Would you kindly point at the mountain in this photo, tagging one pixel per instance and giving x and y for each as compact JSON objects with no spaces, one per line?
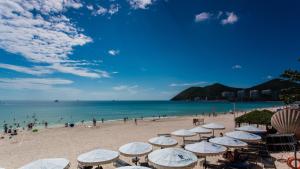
{"x":267,"y":91}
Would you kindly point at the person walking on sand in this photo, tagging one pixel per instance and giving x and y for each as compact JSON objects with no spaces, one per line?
{"x":94,"y":122}
{"x":135,"y":121}
{"x":102,"y":120}
{"x":46,"y":124}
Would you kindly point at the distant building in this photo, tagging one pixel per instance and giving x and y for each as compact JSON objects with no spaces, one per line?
{"x":266,"y":92}
{"x":228,"y":95}
{"x":254,"y":94}
{"x":241,"y":94}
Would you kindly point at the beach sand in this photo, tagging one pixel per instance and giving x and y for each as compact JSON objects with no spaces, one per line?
{"x":70,"y":142}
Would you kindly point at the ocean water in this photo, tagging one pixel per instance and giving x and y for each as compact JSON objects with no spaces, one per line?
{"x":61,"y":112}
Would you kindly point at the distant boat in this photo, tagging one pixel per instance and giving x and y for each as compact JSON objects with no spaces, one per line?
{"x":56,"y":101}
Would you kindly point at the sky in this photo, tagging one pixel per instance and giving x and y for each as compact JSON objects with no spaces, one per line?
{"x":141,"y":49}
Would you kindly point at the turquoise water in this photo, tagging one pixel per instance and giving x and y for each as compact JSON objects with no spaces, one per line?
{"x":74,"y":111}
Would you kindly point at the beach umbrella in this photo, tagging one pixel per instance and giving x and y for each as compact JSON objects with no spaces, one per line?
{"x":97,"y":157}
{"x":133,"y":167}
{"x":201,"y":130}
{"x":135,"y":149}
{"x":205,"y":149}
{"x":163,"y":141}
{"x":250,"y":129}
{"x":183,"y":133}
{"x":244,"y":136}
{"x":51,"y":163}
{"x":228,"y":142}
{"x":172,"y":158}
{"x":214,"y":126}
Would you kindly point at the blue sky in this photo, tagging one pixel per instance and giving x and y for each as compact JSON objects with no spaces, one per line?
{"x":141,"y":49}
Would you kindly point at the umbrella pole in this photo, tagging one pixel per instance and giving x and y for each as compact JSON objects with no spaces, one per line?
{"x":205,"y":162}
{"x":213,"y":133}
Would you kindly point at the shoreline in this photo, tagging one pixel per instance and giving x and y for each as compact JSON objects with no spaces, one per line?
{"x":89,"y":122}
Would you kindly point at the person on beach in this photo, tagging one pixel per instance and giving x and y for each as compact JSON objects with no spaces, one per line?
{"x":102,"y":119}
{"x":5,"y":128}
{"x":46,"y":124}
{"x":94,"y":122}
{"x":135,"y":121}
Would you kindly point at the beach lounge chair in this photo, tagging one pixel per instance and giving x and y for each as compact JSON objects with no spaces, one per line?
{"x":268,"y":162}
{"x":120,"y":163}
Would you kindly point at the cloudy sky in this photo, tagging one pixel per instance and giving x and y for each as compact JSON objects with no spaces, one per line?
{"x":141,"y":49}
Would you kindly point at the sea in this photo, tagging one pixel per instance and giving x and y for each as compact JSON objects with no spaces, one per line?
{"x":60,"y":112}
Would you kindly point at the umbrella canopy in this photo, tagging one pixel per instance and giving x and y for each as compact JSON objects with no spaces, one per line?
{"x":172,"y":158}
{"x":250,"y":129}
{"x":214,"y":126}
{"x":205,"y":148}
{"x":244,"y":136}
{"x":201,"y":130}
{"x":97,"y":157}
{"x":163,"y":141}
{"x":51,"y":163}
{"x":135,"y":149}
{"x":228,"y":142}
{"x":183,"y":133}
{"x":133,"y":167}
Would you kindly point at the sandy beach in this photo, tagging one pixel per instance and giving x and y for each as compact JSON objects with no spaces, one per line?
{"x":70,"y":142}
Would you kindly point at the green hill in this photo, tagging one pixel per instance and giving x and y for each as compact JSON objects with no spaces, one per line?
{"x":266,"y":91}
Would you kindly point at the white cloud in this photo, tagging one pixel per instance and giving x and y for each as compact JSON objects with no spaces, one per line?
{"x":28,"y":70}
{"x":230,"y":19}
{"x":90,"y":7}
{"x":126,"y":88}
{"x":269,"y":77}
{"x":32,"y":83}
{"x":114,"y":8}
{"x":140,"y":4}
{"x":202,"y":16}
{"x":236,"y":67}
{"x":101,"y":11}
{"x":187,"y":84}
{"x":79,"y":71}
{"x":114,"y":52}
{"x":111,"y":10}
{"x":39,"y":31}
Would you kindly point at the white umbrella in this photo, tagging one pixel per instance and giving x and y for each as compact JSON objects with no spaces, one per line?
{"x":163,"y":141}
{"x":250,"y":129}
{"x":205,"y":149}
{"x":228,"y":142}
{"x":183,"y":133}
{"x":97,"y":157}
{"x":133,"y":167}
{"x":244,"y":136}
{"x":135,"y":149}
{"x":214,"y":126}
{"x":172,"y":158}
{"x":51,"y":163}
{"x":201,"y":130}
